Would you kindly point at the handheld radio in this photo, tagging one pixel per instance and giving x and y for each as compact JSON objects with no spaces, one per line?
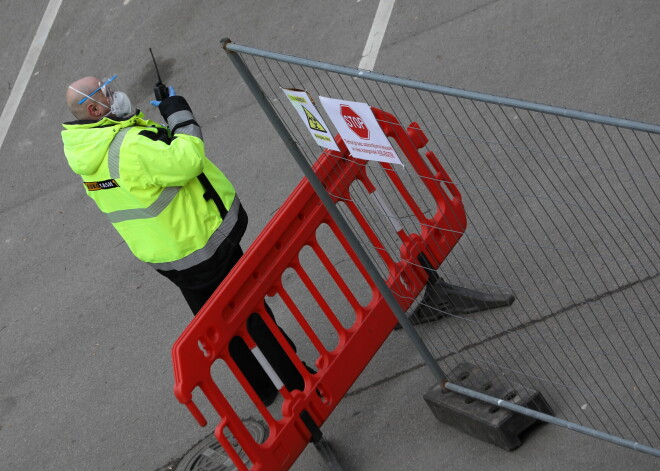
{"x":160,"y":89}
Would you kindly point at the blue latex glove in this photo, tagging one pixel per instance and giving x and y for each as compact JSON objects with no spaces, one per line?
{"x":170,"y":91}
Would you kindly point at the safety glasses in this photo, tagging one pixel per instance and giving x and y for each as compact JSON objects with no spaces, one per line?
{"x":105,"y":87}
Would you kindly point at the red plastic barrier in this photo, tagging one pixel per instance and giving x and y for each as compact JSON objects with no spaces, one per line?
{"x":259,"y":274}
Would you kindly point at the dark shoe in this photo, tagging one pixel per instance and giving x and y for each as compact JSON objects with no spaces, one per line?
{"x":270,"y":398}
{"x":310,"y":370}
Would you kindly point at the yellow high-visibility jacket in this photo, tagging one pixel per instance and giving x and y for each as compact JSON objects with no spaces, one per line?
{"x":148,"y":180}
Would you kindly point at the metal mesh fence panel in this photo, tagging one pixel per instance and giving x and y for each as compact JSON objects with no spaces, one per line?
{"x":562,"y":214}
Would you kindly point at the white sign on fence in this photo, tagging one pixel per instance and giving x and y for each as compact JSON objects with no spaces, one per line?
{"x":359,"y":129}
{"x":311,"y":117}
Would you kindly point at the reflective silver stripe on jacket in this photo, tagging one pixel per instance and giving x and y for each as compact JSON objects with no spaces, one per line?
{"x":217,"y":238}
{"x":113,"y":152}
{"x":181,"y":117}
{"x":164,"y":199}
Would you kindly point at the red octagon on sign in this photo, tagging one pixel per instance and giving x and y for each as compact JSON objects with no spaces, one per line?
{"x":354,"y":121}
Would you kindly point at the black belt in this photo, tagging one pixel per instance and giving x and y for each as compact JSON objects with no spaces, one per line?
{"x":211,"y":194}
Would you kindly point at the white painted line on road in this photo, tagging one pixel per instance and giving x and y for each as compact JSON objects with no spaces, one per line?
{"x":376,"y":34}
{"x":28,"y":66}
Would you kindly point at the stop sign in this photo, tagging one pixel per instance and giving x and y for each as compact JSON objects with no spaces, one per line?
{"x":354,"y":122}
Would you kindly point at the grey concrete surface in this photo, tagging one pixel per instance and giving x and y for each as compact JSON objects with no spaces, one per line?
{"x":86,"y":330}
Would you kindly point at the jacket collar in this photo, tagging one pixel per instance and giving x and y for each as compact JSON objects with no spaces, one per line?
{"x":103,"y":122}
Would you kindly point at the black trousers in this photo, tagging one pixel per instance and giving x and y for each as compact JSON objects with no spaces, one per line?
{"x":199,"y":282}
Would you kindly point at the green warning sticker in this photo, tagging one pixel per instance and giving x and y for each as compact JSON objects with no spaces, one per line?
{"x":311,"y":117}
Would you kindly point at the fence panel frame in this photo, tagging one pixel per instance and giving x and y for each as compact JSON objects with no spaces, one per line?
{"x":234,"y":51}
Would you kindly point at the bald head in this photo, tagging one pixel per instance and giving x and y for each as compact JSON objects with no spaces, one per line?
{"x":90,"y":109}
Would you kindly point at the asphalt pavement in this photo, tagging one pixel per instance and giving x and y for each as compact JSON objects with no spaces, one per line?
{"x":86,"y":330}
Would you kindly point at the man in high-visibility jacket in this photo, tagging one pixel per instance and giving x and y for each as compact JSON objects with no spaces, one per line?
{"x":174,"y":208}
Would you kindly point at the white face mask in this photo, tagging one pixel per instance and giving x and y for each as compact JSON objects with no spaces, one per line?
{"x":120,"y":106}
